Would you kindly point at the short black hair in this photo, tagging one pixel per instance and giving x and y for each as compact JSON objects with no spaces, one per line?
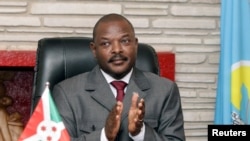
{"x":108,"y":18}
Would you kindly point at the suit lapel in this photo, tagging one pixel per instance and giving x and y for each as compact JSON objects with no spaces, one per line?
{"x":101,"y":92}
{"x":138,"y":83}
{"x":99,"y":88}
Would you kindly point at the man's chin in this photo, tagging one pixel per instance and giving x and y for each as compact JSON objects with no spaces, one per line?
{"x":118,"y":74}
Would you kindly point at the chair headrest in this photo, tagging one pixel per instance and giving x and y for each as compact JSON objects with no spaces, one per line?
{"x":63,"y":57}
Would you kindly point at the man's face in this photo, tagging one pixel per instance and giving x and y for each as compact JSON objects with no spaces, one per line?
{"x":115,"y":47}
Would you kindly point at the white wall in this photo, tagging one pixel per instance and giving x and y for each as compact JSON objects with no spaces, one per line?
{"x":189,"y":28}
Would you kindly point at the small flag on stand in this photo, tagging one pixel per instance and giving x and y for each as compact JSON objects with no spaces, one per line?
{"x":45,"y":124}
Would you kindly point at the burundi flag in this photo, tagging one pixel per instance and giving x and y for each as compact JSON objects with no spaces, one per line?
{"x":233,"y":89}
{"x":45,"y":124}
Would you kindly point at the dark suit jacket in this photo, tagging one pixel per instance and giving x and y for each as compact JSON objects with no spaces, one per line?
{"x":84,"y":101}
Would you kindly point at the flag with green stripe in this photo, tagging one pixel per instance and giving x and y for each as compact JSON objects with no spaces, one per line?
{"x":45,"y":124}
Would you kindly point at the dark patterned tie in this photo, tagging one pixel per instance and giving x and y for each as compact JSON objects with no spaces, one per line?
{"x":119,"y":85}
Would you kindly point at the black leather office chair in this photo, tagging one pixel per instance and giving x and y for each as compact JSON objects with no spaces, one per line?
{"x":61,"y":58}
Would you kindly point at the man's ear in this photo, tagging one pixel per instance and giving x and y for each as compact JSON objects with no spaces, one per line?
{"x":93,"y":48}
{"x":136,"y":41}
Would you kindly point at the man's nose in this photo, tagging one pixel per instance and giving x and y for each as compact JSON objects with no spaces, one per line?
{"x":116,"y":47}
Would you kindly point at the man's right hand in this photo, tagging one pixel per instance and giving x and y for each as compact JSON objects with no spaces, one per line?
{"x":113,"y":121}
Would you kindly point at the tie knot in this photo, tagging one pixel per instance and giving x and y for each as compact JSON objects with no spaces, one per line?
{"x":119,"y":85}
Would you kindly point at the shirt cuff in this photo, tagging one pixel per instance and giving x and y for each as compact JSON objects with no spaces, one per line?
{"x":103,"y":136}
{"x":140,"y":136}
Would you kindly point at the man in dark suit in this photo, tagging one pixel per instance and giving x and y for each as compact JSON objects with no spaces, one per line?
{"x":151,"y":108}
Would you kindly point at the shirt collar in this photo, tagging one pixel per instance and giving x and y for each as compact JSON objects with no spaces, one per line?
{"x":110,"y":79}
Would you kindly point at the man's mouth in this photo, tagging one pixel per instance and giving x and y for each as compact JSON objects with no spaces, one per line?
{"x":118,"y":59}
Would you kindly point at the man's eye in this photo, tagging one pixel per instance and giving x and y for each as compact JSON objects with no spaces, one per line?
{"x":105,"y":44}
{"x":125,"y":41}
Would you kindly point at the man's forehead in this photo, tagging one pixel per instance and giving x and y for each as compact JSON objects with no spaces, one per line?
{"x":114,"y":32}
{"x":113,"y":23}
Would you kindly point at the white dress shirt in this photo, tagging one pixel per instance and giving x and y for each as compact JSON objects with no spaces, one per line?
{"x":109,"y":79}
